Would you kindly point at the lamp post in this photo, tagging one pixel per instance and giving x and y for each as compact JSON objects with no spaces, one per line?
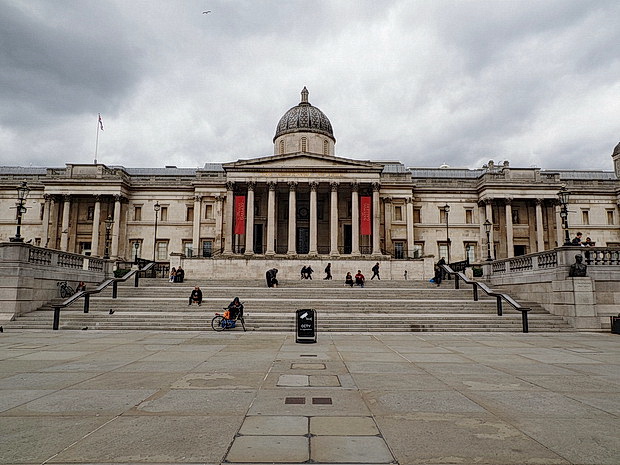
{"x":563,"y":197}
{"x":487,"y":229}
{"x":108,"y":227}
{"x":156,"y":208}
{"x":136,"y":245}
{"x":22,"y":193}
{"x":446,"y":209}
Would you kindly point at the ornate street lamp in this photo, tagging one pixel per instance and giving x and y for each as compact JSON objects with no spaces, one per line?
{"x":446,"y":209}
{"x":108,"y":227}
{"x":22,"y":193}
{"x":563,"y":197}
{"x":136,"y":245}
{"x":156,"y":208}
{"x":487,"y":229}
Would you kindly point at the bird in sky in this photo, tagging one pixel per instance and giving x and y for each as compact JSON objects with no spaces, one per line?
{"x":206,"y":12}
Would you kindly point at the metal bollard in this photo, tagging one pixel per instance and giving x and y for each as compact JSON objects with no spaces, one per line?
{"x":114,"y":289}
{"x":56,"y":318}
{"x":475,"y":292}
{"x":499,"y":306}
{"x":86,"y":303}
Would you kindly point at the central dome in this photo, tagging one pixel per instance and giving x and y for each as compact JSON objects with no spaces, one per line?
{"x":304,"y":118}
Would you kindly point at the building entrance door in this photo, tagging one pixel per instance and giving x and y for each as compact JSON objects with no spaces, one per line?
{"x":348,"y":239}
{"x":258,"y":239}
{"x":303,"y":240}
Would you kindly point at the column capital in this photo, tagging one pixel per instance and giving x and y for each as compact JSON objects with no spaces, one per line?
{"x":119,"y":198}
{"x":197,"y":198}
{"x":508,"y":200}
{"x":98,"y":197}
{"x":218,"y":197}
{"x":355,"y":186}
{"x":251,"y":185}
{"x":387,"y":199}
{"x":66,"y":197}
{"x":292,"y":185}
{"x":334,"y":186}
{"x":230,"y":185}
{"x":540,"y":201}
{"x":376,"y":187}
{"x":272,"y":185}
{"x":408,"y":199}
{"x":48,"y":197}
{"x":313,"y":185}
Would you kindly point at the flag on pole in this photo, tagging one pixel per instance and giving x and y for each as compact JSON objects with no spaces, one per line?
{"x":100,"y":122}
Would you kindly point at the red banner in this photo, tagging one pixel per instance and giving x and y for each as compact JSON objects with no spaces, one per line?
{"x":365,"y":215}
{"x":239,"y":214}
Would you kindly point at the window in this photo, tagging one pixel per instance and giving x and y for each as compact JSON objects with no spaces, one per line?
{"x":137,"y":213}
{"x":162,"y":249}
{"x":90,"y":213}
{"x":418,"y":249}
{"x":515,"y":216}
{"x":443,"y":250}
{"x":417,"y":215}
{"x":42,"y":211}
{"x":325,"y":147}
{"x":399,"y":250}
{"x":281,"y":147}
{"x":398,"y":213}
{"x":585,"y":217}
{"x":189,"y":214}
{"x":207,"y":248}
{"x":470,"y":251}
{"x":208,"y":212}
{"x":469,"y":216}
{"x":85,"y":248}
{"x":443,"y":215}
{"x":610,"y":217}
{"x":163,"y":214}
{"x":188,"y":248}
{"x":304,"y":144}
{"x":136,"y":252}
{"x":37,"y":241}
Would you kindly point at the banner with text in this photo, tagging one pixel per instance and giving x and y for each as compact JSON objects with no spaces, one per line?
{"x":365,"y":215}
{"x":240,"y":214}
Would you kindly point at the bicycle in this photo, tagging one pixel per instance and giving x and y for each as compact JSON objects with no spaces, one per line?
{"x":65,"y":289}
{"x":220,"y":322}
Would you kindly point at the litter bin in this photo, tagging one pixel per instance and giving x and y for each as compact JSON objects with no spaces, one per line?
{"x":615,"y":324}
{"x":305,"y":326}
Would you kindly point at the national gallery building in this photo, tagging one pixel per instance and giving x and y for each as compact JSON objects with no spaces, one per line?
{"x":305,"y":202}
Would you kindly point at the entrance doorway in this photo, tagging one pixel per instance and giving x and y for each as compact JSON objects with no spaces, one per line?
{"x":347,"y":238}
{"x":303,"y":240}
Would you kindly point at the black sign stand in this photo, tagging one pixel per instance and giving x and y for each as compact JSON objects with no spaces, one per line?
{"x":305,"y":326}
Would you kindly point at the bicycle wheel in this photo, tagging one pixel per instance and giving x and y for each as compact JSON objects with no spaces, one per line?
{"x":63,"y":292}
{"x":216,"y":323}
{"x":69,"y":291}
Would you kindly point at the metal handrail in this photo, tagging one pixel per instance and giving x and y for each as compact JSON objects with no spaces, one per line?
{"x":97,"y":290}
{"x":488,"y":291}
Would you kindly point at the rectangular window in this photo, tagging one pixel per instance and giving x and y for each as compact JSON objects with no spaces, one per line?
{"x":42,"y":211}
{"x":398,"y":213}
{"x":443,"y":250}
{"x":417,"y":215}
{"x":163,"y":214}
{"x":469,"y":216}
{"x":610,"y":217}
{"x":162,"y":250}
{"x":418,"y":249}
{"x":208,"y":212}
{"x":188,"y":248}
{"x":470,"y":251}
{"x":442,"y":215}
{"x":37,"y":241}
{"x":189,"y":214}
{"x":90,"y":214}
{"x":207,"y":248}
{"x":399,"y":250}
{"x":137,"y":213}
{"x":136,"y":248}
{"x":585,"y":217}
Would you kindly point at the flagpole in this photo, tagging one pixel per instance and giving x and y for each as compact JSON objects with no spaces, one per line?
{"x":97,"y":139}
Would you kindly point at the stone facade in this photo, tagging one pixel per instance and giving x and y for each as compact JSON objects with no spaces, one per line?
{"x":308,"y":204}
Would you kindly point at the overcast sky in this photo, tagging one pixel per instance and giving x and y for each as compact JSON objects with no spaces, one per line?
{"x":423,"y":82}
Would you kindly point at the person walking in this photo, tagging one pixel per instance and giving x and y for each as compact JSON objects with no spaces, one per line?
{"x":328,"y":271}
{"x":375,"y":272}
{"x":439,"y":271}
{"x":196,"y":296}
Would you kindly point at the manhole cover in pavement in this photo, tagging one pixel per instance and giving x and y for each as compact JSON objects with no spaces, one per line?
{"x":322,"y":400}
{"x":295,"y":400}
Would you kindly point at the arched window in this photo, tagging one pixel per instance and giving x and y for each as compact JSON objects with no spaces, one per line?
{"x":325,"y":147}
{"x":281,"y":147}
{"x":304,"y":144}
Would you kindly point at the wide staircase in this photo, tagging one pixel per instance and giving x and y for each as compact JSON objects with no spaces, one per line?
{"x":381,"y":306}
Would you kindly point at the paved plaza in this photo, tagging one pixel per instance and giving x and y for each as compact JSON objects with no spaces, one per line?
{"x":103,"y":397}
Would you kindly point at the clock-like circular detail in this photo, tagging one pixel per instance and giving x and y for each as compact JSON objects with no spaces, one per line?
{"x":302,"y":213}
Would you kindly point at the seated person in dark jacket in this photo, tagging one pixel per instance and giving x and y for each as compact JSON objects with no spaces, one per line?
{"x":236,"y":309}
{"x":348,"y":279}
{"x":359,"y":278}
{"x":180,"y":275}
{"x":195,"y":296}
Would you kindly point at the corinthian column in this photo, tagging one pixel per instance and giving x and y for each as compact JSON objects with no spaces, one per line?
{"x":540,"y":237}
{"x":355,"y":219}
{"x":249,"y":224}
{"x":116,"y":227}
{"x":333,"y":219}
{"x":46,"y":219}
{"x":271,"y":219}
{"x":94,"y":239}
{"x":410,"y":235}
{"x":64,"y":229}
{"x":313,"y":219}
{"x":292,"y":218}
{"x":510,"y":249}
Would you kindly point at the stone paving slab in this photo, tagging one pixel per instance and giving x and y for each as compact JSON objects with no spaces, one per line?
{"x":156,"y":397}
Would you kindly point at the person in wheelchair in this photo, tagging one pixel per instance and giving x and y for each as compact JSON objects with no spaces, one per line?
{"x":235,"y":309}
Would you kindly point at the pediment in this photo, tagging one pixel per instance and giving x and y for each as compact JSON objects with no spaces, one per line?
{"x":301,"y":161}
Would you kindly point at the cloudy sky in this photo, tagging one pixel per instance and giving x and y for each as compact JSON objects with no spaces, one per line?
{"x":424,"y":82}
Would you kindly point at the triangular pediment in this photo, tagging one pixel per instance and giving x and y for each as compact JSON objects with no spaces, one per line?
{"x":301,"y":161}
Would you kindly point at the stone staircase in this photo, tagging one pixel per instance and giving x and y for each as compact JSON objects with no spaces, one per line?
{"x":381,"y":306}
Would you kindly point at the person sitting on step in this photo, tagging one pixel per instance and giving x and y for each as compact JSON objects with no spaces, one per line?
{"x":195,"y":296}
